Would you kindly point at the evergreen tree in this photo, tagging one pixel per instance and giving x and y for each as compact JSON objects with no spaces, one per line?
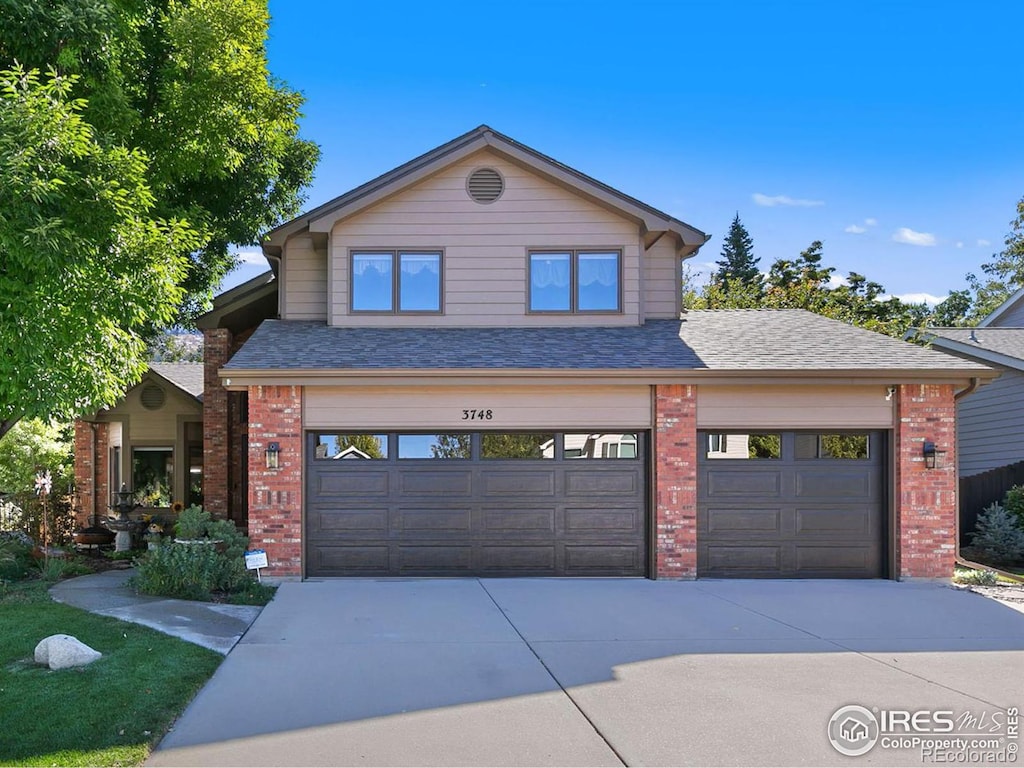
{"x":738,"y":264}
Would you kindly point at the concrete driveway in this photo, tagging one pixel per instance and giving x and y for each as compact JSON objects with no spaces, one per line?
{"x":593,"y":672}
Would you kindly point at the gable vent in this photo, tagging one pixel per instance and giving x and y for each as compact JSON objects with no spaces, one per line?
{"x":485,"y":185}
{"x":152,"y":397}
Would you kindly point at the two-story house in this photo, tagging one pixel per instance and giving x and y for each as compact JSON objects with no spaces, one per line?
{"x":477,"y":364}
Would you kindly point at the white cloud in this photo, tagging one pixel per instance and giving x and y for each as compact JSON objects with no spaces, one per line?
{"x":770,"y":201}
{"x":871,"y":222}
{"x":854,"y":229}
{"x":834,"y":281}
{"x":959,"y":244}
{"x":918,"y":298}
{"x":252,"y":257}
{"x":983,"y":243}
{"x":910,"y":237}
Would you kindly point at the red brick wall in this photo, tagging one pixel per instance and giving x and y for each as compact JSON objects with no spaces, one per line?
{"x":92,"y":473}
{"x":926,"y":499}
{"x":216,"y":351}
{"x":675,"y":462}
{"x":275,"y":495}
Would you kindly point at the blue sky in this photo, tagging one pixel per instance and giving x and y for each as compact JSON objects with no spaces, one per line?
{"x":892,"y":131}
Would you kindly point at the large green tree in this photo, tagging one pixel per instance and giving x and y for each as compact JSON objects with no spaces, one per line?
{"x":85,"y":267}
{"x":157,"y":139}
{"x":186,"y":82}
{"x":738,"y":266}
{"x":806,"y":283}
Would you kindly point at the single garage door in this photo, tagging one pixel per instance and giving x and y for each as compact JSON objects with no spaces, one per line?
{"x":479,"y":503}
{"x":791,"y":505}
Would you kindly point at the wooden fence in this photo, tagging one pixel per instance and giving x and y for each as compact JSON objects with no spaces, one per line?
{"x":978,"y":491}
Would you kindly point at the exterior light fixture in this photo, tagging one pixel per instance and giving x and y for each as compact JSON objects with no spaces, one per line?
{"x":273,"y":454}
{"x":933,"y":457}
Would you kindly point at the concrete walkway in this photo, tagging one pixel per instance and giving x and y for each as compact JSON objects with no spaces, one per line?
{"x":211,"y":625}
{"x":591,"y":672}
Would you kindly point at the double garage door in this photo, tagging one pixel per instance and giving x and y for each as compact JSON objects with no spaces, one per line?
{"x":782,"y":504}
{"x":480,"y":503}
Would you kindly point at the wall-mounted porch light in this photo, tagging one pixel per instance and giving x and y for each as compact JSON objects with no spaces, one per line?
{"x":933,"y":457}
{"x":273,"y":454}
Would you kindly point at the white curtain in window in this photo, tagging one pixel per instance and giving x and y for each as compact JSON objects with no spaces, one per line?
{"x":379,"y":262}
{"x":599,"y":268}
{"x":414,"y":263}
{"x":547,"y":272}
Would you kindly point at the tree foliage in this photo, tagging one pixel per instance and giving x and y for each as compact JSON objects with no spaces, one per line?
{"x":186,"y":82}
{"x":806,"y":282}
{"x":155,"y":139}
{"x":738,"y":265}
{"x":85,"y":266}
{"x":33,"y":445}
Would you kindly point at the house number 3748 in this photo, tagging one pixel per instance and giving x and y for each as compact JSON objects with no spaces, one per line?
{"x":472,"y":414}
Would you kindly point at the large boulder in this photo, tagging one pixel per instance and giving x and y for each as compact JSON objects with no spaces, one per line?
{"x":63,"y":651}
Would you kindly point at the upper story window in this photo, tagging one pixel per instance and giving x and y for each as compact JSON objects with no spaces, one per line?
{"x":396,"y":281}
{"x":575,"y":281}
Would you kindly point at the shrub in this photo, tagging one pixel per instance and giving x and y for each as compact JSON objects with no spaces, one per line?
{"x":15,"y":555}
{"x":976,"y":578}
{"x":195,"y":569}
{"x":998,"y":540}
{"x":1014,"y":503}
{"x":193,"y":524}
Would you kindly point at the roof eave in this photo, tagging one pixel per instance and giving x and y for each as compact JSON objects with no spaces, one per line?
{"x":967,"y":350}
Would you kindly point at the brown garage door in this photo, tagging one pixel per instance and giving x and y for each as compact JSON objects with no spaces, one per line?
{"x":791,"y":505}
{"x":483,"y":503}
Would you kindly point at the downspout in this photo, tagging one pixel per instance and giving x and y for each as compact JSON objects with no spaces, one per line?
{"x":958,"y":558}
{"x":92,"y":481}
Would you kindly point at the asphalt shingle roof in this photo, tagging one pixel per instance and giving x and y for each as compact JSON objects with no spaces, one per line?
{"x":717,"y":340}
{"x":185,"y":376}
{"x":1002,"y":341}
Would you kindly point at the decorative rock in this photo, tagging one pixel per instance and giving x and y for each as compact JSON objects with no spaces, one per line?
{"x":64,"y":651}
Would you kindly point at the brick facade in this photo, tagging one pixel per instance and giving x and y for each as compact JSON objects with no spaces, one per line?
{"x":216,"y":430}
{"x":926,"y":499}
{"x":92,"y":473}
{"x":275,"y":495}
{"x":675,"y":458}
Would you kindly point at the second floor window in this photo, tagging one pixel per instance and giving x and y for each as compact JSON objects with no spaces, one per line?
{"x":396,"y":281}
{"x":575,"y":281}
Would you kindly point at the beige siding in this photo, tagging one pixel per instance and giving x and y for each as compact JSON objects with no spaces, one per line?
{"x":793,"y":407}
{"x":528,"y":407}
{"x":304,"y":283}
{"x":990,"y":425}
{"x":661,"y":280}
{"x":485,"y":246}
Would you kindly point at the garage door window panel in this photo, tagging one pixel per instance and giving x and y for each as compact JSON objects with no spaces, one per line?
{"x":439,"y":446}
{"x":591,"y":445}
{"x":517,"y":445}
{"x":333,"y":446}
{"x":832,"y":446}
{"x":743,"y":445}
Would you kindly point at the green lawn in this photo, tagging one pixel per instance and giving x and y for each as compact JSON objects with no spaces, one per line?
{"x":111,"y":712}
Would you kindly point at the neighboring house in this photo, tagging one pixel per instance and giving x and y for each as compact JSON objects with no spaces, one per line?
{"x":501,"y":336}
{"x":150,"y":441}
{"x":991,"y":420}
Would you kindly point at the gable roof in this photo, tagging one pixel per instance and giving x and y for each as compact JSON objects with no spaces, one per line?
{"x":322,"y":218}
{"x":711,"y":342}
{"x":999,"y":346}
{"x":1015,"y":299}
{"x":188,"y":377}
{"x":243,"y":306}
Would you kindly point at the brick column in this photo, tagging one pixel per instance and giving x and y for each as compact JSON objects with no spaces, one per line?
{"x":926,"y":499}
{"x":216,"y":437}
{"x":275,"y":495}
{"x":92,"y":474}
{"x":675,"y":463}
